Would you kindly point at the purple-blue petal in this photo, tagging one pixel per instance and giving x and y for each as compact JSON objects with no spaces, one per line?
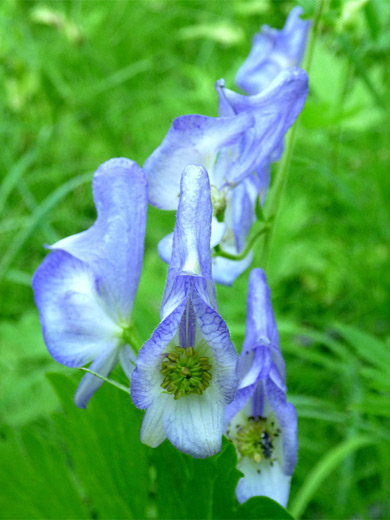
{"x":287,"y":417}
{"x":216,"y":334}
{"x":102,"y":365}
{"x":270,"y":481}
{"x":191,"y":239}
{"x":244,"y":216}
{"x":192,"y":139}
{"x":113,"y":247}
{"x":275,"y":109}
{"x":194,"y":424}
{"x":226,"y":271}
{"x":75,"y":322}
{"x":272,"y":51}
{"x":260,"y":322}
{"x":144,"y":386}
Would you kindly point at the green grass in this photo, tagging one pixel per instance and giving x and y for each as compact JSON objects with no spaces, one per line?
{"x":86,"y":81}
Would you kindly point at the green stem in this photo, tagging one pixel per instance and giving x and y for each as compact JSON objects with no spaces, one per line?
{"x":130,"y":337}
{"x":107,"y":380}
{"x":245,"y":251}
{"x":274,"y":201}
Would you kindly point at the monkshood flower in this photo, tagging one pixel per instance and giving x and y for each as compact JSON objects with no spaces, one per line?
{"x":261,"y":423}
{"x":85,"y":288}
{"x":273,"y":51}
{"x":187,"y":372}
{"x":231,"y":148}
{"x":275,"y":110}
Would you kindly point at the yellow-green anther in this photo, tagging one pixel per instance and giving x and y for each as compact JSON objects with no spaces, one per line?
{"x":185,"y":372}
{"x":255,"y":439}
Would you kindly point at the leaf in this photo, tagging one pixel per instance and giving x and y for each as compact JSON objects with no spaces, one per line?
{"x":368,"y":347}
{"x":35,"y":479}
{"x":205,"y":488}
{"x":25,"y":394}
{"x":103,"y":444}
{"x":323,"y":469}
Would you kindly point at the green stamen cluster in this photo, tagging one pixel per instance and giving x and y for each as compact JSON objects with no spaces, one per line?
{"x":255,"y":440}
{"x":185,"y":372}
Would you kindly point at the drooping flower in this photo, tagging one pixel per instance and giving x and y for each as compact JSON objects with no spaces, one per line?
{"x":85,"y":288}
{"x":231,"y":147}
{"x":187,"y":372}
{"x":261,"y":423}
{"x":275,"y":111}
{"x":273,"y":51}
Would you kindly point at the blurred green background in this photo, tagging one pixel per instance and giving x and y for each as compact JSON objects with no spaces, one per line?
{"x":84,"y":81}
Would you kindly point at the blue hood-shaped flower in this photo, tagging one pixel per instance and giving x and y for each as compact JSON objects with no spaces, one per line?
{"x":232,"y":148}
{"x":273,"y":51}
{"x":85,"y":288}
{"x":261,"y":423}
{"x":187,"y":372}
{"x":275,"y":111}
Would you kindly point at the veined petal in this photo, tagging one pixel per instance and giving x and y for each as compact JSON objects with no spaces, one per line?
{"x":288,"y":421}
{"x":262,"y":480}
{"x":295,"y":33}
{"x":216,"y":334}
{"x":259,"y":368}
{"x":254,"y":365}
{"x":146,"y":378}
{"x":226,"y":271}
{"x":191,"y":241}
{"x":102,"y":365}
{"x":272,"y":51}
{"x":239,"y":402}
{"x":194,"y":424}
{"x":275,"y":110}
{"x":260,"y":322}
{"x":244,"y":202}
{"x":164,"y":247}
{"x":192,"y":139}
{"x":113,"y":247}
{"x":152,"y":430}
{"x":75,"y":323}
{"x":258,"y":70}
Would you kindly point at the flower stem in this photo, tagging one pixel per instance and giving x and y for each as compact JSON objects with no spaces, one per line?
{"x":107,"y":380}
{"x":240,"y":256}
{"x":274,"y":201}
{"x":131,"y":337}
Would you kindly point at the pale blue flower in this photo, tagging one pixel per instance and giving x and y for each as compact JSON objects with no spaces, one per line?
{"x":85,"y":288}
{"x":233,"y":148}
{"x":261,"y":423}
{"x":187,"y":372}
{"x":273,"y":51}
{"x":275,"y":111}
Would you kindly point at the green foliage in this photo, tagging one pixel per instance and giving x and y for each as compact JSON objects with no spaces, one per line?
{"x":205,"y":488}
{"x":90,"y":464}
